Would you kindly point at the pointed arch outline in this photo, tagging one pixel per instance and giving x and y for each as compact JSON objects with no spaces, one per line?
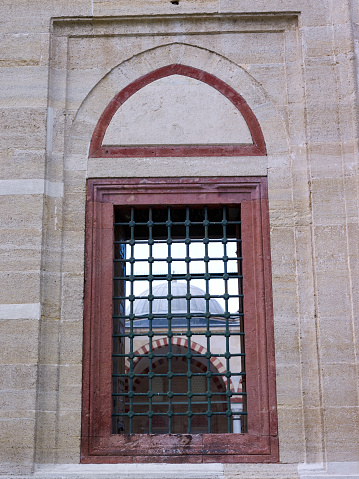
{"x":178,"y":341}
{"x":257,"y":148}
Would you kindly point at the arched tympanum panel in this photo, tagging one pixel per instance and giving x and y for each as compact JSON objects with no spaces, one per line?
{"x":256,"y":148}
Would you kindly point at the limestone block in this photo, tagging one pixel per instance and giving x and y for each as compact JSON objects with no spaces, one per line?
{"x":57,"y":87}
{"x":17,"y":389}
{"x":78,"y":141}
{"x":330,"y":252}
{"x":291,"y":435}
{"x":53,"y":223}
{"x":346,"y":118}
{"x":318,"y":41}
{"x":271,"y":77}
{"x":19,"y":163}
{"x":147,"y":167}
{"x":289,"y":386}
{"x":341,"y":432}
{"x":54,"y":172}
{"x":25,"y":15}
{"x":346,"y":80}
{"x":325,"y":159}
{"x":24,"y":86}
{"x":70,"y":385}
{"x":322,"y":126}
{"x":23,"y":128}
{"x":348,"y":155}
{"x":340,"y":383}
{"x":74,"y":218}
{"x":127,"y":7}
{"x":294,"y":84}
{"x":18,"y":341}
{"x":20,"y":249}
{"x":280,"y":215}
{"x":73,"y":243}
{"x":71,"y":342}
{"x":352,"y":231}
{"x":77,"y":163}
{"x":260,"y":471}
{"x":333,"y":294}
{"x":342,"y":39}
{"x":17,"y":376}
{"x":56,"y":131}
{"x":328,"y":204}
{"x":15,"y":285}
{"x":261,"y":49}
{"x":16,"y":444}
{"x":284,"y":294}
{"x":313,"y":434}
{"x":311,"y":392}
{"x":341,"y":13}
{"x":48,"y":384}
{"x":280,"y":196}
{"x":103,"y":53}
{"x":287,"y":350}
{"x":72,"y":297}
{"x":59,"y":53}
{"x":15,"y":403}
{"x":18,"y":50}
{"x":283,"y":255}
{"x":279,"y":161}
{"x":311,"y":16}
{"x":46,"y":437}
{"x":81,"y":82}
{"x":75,"y":184}
{"x":51,"y":284}
{"x":69,"y":434}
{"x":273,"y":127}
{"x":49,"y":341}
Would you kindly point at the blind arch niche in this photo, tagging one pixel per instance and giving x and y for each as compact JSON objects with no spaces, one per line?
{"x":188,"y":130}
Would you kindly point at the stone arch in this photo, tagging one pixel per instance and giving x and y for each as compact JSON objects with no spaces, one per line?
{"x":236,"y":77}
{"x":257,"y":148}
{"x":178,"y":341}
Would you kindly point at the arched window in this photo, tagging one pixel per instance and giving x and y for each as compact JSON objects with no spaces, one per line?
{"x":178,"y":332}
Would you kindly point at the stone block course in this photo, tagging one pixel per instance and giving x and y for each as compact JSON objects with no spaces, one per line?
{"x":337,"y":418}
{"x":22,"y":128}
{"x":18,"y":341}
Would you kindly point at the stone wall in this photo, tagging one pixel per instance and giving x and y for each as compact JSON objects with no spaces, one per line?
{"x":295,"y":64}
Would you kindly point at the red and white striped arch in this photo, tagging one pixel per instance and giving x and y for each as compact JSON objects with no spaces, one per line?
{"x":178,"y":341}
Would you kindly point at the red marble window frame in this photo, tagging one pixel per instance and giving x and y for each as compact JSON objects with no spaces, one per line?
{"x":260,"y":443}
{"x":257,"y":148}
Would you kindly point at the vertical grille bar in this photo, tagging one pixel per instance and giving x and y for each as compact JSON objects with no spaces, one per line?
{"x":169,"y":317}
{"x":131,"y":335}
{"x":150,"y":304}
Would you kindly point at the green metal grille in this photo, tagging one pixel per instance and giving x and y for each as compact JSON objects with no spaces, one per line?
{"x":178,"y":335}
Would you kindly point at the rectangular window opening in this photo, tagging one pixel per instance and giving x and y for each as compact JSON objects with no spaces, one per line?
{"x":178,"y":357}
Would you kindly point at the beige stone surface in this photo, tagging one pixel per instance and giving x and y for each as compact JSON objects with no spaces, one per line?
{"x":190,"y":120}
{"x":272,"y":471}
{"x":295,"y":64}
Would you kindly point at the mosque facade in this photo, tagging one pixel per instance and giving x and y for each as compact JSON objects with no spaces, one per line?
{"x":179,"y":239}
